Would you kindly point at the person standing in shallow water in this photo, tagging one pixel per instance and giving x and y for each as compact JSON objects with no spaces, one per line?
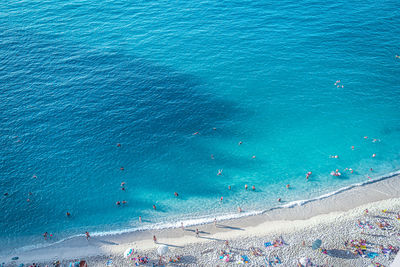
{"x":197,"y":232}
{"x":155,"y":239}
{"x":87,"y":235}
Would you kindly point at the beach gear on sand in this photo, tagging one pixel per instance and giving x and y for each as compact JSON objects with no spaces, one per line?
{"x":268,"y":263}
{"x":162,"y":250}
{"x":128,"y":253}
{"x":245,"y":259}
{"x":109,"y":262}
{"x":372,"y":255}
{"x":316,"y":244}
{"x":268,"y":244}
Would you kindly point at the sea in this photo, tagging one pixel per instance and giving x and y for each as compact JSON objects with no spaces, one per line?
{"x":188,"y":97}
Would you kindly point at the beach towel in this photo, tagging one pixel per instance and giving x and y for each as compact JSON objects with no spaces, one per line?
{"x":372,"y":255}
{"x":268,"y":244}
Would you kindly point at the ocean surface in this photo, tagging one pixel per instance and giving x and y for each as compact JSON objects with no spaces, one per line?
{"x":178,"y":84}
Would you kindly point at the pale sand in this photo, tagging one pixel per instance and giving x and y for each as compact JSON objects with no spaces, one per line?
{"x":332,"y":219}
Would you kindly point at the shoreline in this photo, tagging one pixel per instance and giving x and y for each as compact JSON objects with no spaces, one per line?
{"x":337,"y":202}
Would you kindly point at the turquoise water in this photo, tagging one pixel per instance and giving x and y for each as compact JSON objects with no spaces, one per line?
{"x":77,"y":78}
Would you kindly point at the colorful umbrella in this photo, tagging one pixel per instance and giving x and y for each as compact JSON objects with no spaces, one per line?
{"x":129,"y":252}
{"x":317,"y":243}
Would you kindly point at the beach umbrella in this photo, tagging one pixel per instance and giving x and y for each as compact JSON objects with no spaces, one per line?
{"x":316,"y":244}
{"x":162,"y":250}
{"x":129,"y":252}
{"x":304,"y":261}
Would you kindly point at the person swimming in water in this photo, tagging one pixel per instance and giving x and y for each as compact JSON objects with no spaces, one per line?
{"x":374,"y":155}
{"x":219,"y":172}
{"x":176,"y":194}
{"x":118,"y":203}
{"x":68,"y":214}
{"x":240,"y":142}
{"x":154,"y":207}
{"x":229,"y":187}
{"x":253,"y":188}
{"x":246,"y":186}
{"x":118,"y":145}
{"x":288,"y":186}
{"x":122,"y":168}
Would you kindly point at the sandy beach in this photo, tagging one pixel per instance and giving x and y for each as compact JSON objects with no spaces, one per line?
{"x":333,"y":219}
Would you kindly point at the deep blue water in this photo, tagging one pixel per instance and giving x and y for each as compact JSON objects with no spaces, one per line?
{"x":79,"y":77}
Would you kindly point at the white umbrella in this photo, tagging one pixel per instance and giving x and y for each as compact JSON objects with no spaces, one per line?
{"x":162,"y":250}
{"x":304,"y":261}
{"x":129,"y":252}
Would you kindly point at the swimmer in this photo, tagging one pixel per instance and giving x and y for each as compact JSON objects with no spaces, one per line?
{"x":279,"y":199}
{"x":140,"y":219}
{"x":352,"y":147}
{"x":176,"y":194}
{"x":5,"y":194}
{"x":240,"y":142}
{"x":87,"y":235}
{"x":365,"y":137}
{"x":122,"y":184}
{"x":351,"y":170}
{"x":118,"y":203}
{"x":214,"y":128}
{"x":253,"y":157}
{"x":288,"y":186}
{"x":239,"y":209}
{"x":118,"y":145}
{"x":373,"y":155}
{"x":154,"y":207}
{"x":212,"y":156}
{"x":28,"y":200}
{"x":334,"y":157}
{"x":124,"y":202}
{"x":219,"y":172}
{"x":196,"y":133}
{"x":68,"y":214}
{"x":253,"y":188}
{"x":45,"y":235}
{"x":229,"y":187}
{"x":34,"y":176}
{"x":123,"y":188}
{"x":371,"y":169}
{"x":122,"y":168}
{"x":245,"y":186}
{"x":222,"y":198}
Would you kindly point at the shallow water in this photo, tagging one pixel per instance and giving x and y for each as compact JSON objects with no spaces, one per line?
{"x":79,"y":77}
